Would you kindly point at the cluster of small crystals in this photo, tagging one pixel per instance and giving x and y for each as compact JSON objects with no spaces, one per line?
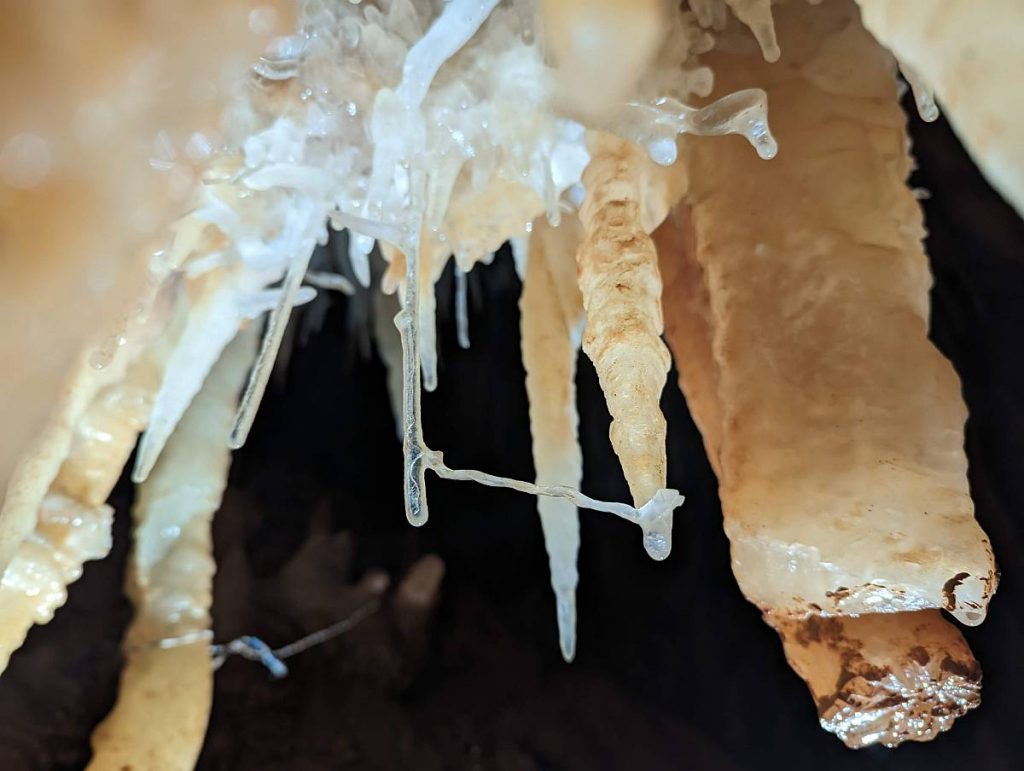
{"x":69,"y":533}
{"x":916,"y":708}
{"x":361,"y":123}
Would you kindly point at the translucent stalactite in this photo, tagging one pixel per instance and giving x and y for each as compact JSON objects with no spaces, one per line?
{"x":550,"y":312}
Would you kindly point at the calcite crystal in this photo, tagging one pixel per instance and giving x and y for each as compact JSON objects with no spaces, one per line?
{"x":886,"y":677}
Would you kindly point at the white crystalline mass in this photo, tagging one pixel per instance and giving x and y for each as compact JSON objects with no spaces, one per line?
{"x":432,"y":126}
{"x":412,"y":98}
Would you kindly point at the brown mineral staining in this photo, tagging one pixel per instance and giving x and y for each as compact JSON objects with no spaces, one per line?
{"x":840,"y":594}
{"x":918,"y":556}
{"x":919,"y":654}
{"x":815,"y":629}
{"x":969,"y":670}
{"x":873,"y":673}
{"x":949,"y":589}
{"x":878,"y":678}
{"x":853,"y":666}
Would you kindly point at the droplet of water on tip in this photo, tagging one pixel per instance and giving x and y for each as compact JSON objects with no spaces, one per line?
{"x":924,"y":97}
{"x":764,"y":143}
{"x":658,"y":545}
{"x":663,"y":151}
{"x":416,"y":516}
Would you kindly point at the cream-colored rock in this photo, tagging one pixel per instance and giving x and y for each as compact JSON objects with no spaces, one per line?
{"x":58,"y":511}
{"x":843,"y":475}
{"x":880,"y":678}
{"x":600,"y":47}
{"x":160,"y":717}
{"x":970,"y":54}
{"x":688,"y":330}
{"x":621,"y":288}
{"x":66,"y":535}
{"x":39,"y":465}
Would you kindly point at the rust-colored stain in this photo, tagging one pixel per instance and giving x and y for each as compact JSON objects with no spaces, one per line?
{"x":919,"y":654}
{"x":949,"y":589}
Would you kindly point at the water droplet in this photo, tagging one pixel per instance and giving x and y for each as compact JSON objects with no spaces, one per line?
{"x":663,"y":151}
{"x":100,"y":358}
{"x":924,"y":97}
{"x":658,"y":545}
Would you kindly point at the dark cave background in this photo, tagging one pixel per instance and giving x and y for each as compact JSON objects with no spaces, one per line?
{"x":674,"y":669}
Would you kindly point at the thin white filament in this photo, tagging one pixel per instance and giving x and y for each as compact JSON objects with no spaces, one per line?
{"x":654,"y":517}
{"x":461,"y":308}
{"x":269,"y":347}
